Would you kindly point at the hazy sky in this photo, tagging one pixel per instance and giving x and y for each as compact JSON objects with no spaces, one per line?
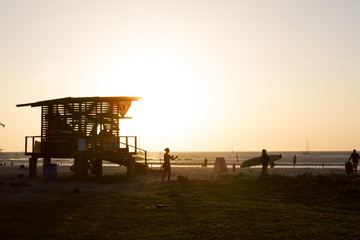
{"x":214,"y":75}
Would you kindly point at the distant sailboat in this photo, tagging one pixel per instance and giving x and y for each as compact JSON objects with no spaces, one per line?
{"x":307,"y":152}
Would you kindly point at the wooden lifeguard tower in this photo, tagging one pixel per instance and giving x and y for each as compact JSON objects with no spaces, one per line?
{"x":86,"y":129}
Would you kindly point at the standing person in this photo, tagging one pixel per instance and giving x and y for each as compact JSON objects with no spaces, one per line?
{"x":204,"y":163}
{"x":355,"y":159}
{"x":166,"y":165}
{"x":294,"y":160}
{"x":265,"y":161}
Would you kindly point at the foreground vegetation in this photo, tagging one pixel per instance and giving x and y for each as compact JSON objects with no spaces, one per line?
{"x":233,"y":207}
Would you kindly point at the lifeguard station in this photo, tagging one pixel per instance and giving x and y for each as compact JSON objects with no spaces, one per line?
{"x":86,"y":129}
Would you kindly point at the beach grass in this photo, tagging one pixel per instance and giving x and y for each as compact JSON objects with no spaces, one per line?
{"x":230,"y":207}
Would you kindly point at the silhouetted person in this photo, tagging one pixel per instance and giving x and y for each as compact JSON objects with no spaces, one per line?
{"x":355,"y":159}
{"x":294,"y":160}
{"x":204,"y":163}
{"x":265,"y":161}
{"x":166,"y":165}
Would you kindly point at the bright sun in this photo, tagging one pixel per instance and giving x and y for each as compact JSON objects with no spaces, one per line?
{"x":171,"y":96}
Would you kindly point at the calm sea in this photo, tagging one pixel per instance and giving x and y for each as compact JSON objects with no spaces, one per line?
{"x":195,"y":159}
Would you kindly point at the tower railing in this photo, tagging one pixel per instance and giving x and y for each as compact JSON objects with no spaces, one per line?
{"x":33,"y":145}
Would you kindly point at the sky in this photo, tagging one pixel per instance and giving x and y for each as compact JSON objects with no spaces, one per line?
{"x":213,"y":75}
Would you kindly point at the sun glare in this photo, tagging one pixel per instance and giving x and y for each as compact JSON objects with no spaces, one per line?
{"x":170,"y":92}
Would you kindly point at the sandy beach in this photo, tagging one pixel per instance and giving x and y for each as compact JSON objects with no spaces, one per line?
{"x":193,"y":173}
{"x":10,"y":175}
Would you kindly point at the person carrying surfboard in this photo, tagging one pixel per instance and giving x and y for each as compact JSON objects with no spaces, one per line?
{"x":166,"y":165}
{"x":355,"y":159}
{"x":265,"y":161}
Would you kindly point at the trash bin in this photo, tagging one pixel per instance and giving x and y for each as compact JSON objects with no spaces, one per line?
{"x":50,"y":171}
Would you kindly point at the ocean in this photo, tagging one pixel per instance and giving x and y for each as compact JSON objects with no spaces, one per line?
{"x":195,"y":159}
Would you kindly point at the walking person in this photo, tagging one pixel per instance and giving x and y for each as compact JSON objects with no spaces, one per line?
{"x":166,"y":165}
{"x":294,"y":160}
{"x":355,"y":159}
{"x":265,"y":161}
{"x":204,"y":163}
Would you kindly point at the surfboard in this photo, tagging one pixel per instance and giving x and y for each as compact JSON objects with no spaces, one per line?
{"x":257,"y":161}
